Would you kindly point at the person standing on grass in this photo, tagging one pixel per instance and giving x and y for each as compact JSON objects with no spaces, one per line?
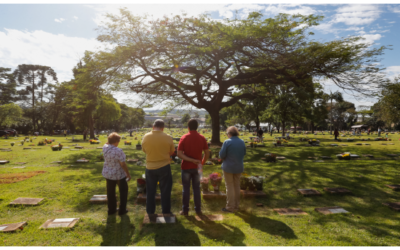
{"x":232,"y":152}
{"x":336,"y":133}
{"x":158,"y":147}
{"x":190,"y":150}
{"x":379,"y":131}
{"x":260,"y":134}
{"x":116,"y":173}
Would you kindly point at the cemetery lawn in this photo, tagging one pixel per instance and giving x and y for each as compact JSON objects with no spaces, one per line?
{"x":67,"y":188}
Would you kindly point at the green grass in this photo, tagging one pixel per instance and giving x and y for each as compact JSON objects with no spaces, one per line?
{"x":68,"y":187}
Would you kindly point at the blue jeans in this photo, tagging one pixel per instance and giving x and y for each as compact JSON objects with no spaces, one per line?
{"x":187,"y":175}
{"x":164,"y":176}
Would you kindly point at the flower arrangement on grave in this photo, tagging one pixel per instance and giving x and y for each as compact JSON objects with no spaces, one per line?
{"x":128,"y":143}
{"x":12,"y":144}
{"x":209,"y":163}
{"x":344,"y":156}
{"x":138,"y":145}
{"x":270,"y":157}
{"x":94,"y":141}
{"x":41,"y":143}
{"x":256,"y":183}
{"x":278,"y":142}
{"x":216,"y":180}
{"x":141,"y":186}
{"x":56,"y":147}
{"x":216,"y":160}
{"x":244,"y":181}
{"x":285,"y":141}
{"x":204,"y":183}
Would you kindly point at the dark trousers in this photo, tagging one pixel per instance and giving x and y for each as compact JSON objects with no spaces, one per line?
{"x":164,"y":176}
{"x":123,"y":195}
{"x":335,"y":137}
{"x":193,"y":175}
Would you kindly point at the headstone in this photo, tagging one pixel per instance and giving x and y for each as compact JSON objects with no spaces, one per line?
{"x":27,"y":148}
{"x":367,"y":144}
{"x":334,"y":145}
{"x":66,"y":147}
{"x":370,"y":156}
{"x":354,"y":156}
{"x":143,"y":197}
{"x":74,"y":149}
{"x":26,"y":201}
{"x":12,"y":227}
{"x":58,"y":162}
{"x":159,"y":218}
{"x":19,"y":167}
{"x":339,"y":190}
{"x":59,"y":223}
{"x":4,"y":162}
{"x":132,"y":160}
{"x":20,"y":163}
{"x":309,"y":192}
{"x":343,"y":145}
{"x":210,"y":217}
{"x":252,"y":194}
{"x":99,"y":199}
{"x":326,"y":157}
{"x":82,"y":161}
{"x":99,"y":148}
{"x":394,"y":187}
{"x":280,"y":157}
{"x":290,"y":211}
{"x":393,"y":205}
{"x":213,"y":194}
{"x":331,"y":210}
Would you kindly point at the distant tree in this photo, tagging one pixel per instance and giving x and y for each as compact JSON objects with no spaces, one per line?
{"x":9,"y":114}
{"x":196,"y":115}
{"x":338,"y":97}
{"x":389,"y":102}
{"x":8,"y":91}
{"x":36,"y":86}
{"x":185,"y":118}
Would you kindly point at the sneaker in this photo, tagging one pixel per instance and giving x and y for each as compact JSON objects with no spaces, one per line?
{"x":184,"y":213}
{"x":122,"y":213}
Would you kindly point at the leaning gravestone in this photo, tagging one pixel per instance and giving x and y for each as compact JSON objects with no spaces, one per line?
{"x":290,"y":211}
{"x":59,"y":223}
{"x":12,"y":227}
{"x":159,"y":219}
{"x":331,"y":210}
{"x":26,"y":201}
{"x":309,"y":192}
{"x":338,"y":190}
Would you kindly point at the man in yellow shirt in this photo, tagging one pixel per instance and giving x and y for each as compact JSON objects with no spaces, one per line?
{"x":158,"y":147}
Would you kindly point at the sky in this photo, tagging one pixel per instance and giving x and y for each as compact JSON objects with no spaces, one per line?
{"x":57,"y":35}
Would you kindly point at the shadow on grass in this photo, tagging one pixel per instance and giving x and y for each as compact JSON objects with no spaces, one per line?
{"x":169,"y":235}
{"x":117,"y":234}
{"x":269,"y":226}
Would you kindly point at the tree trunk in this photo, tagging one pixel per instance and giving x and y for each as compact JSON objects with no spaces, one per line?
{"x":283,"y":128}
{"x":312,"y":127}
{"x":295,"y":127}
{"x":215,"y":137}
{"x":91,"y":129}
{"x":331,"y":117}
{"x":33,"y":102}
{"x":257,"y":123}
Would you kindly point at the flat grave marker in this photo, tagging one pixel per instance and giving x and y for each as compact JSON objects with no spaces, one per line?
{"x":12,"y":227}
{"x":252,"y":194}
{"x":99,"y":148}
{"x":368,"y":155}
{"x":326,"y":157}
{"x":290,"y":211}
{"x":26,"y":201}
{"x":82,"y":161}
{"x":20,"y":163}
{"x":391,"y":155}
{"x":58,"y":162}
{"x":59,"y":223}
{"x":309,"y":192}
{"x":4,"y":162}
{"x":132,"y":160}
{"x":338,"y":190}
{"x":213,"y":194}
{"x":26,"y":148}
{"x":159,"y":219}
{"x":79,"y":147}
{"x":343,"y":145}
{"x":210,"y":217}
{"x":99,"y":199}
{"x":20,"y":167}
{"x":395,"y":187}
{"x":393,"y":205}
{"x":331,"y":210}
{"x":280,"y":157}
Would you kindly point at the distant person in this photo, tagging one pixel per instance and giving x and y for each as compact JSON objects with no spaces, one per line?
{"x":232,"y":152}
{"x":379,"y":131}
{"x":369,"y":131}
{"x":130,"y":132}
{"x":85,"y":134}
{"x":65,"y":133}
{"x":336,"y":133}
{"x":158,"y":147}
{"x":190,"y":151}
{"x":260,"y":134}
{"x":116,"y":173}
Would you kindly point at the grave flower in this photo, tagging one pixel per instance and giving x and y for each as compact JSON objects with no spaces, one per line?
{"x":216,"y":180}
{"x":204,"y":183}
{"x":12,"y":144}
{"x":128,"y":143}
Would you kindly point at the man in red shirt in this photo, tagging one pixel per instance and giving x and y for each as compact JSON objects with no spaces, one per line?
{"x":190,"y":150}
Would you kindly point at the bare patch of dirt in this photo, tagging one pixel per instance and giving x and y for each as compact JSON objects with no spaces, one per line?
{"x":16,"y":177}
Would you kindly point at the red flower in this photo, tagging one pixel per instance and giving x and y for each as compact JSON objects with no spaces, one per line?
{"x":141,"y":181}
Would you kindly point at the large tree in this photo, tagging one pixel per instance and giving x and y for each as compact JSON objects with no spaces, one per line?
{"x":8,"y":91}
{"x":338,"y":97}
{"x":203,"y":62}
{"x":9,"y":114}
{"x":35,"y":80}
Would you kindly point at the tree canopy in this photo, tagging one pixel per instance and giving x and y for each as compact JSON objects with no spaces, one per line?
{"x":203,"y":62}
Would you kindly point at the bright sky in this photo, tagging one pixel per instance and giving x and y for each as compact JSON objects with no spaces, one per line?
{"x":56,"y":35}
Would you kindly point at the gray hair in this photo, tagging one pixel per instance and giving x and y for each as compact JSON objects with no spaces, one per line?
{"x":158,"y":123}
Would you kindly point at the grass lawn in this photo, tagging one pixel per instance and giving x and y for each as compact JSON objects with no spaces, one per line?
{"x":67,"y":188}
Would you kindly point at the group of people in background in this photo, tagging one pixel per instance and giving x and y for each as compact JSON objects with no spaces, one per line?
{"x":159,"y":147}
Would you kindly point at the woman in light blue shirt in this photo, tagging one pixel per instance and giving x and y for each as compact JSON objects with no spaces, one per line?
{"x":232,"y":152}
